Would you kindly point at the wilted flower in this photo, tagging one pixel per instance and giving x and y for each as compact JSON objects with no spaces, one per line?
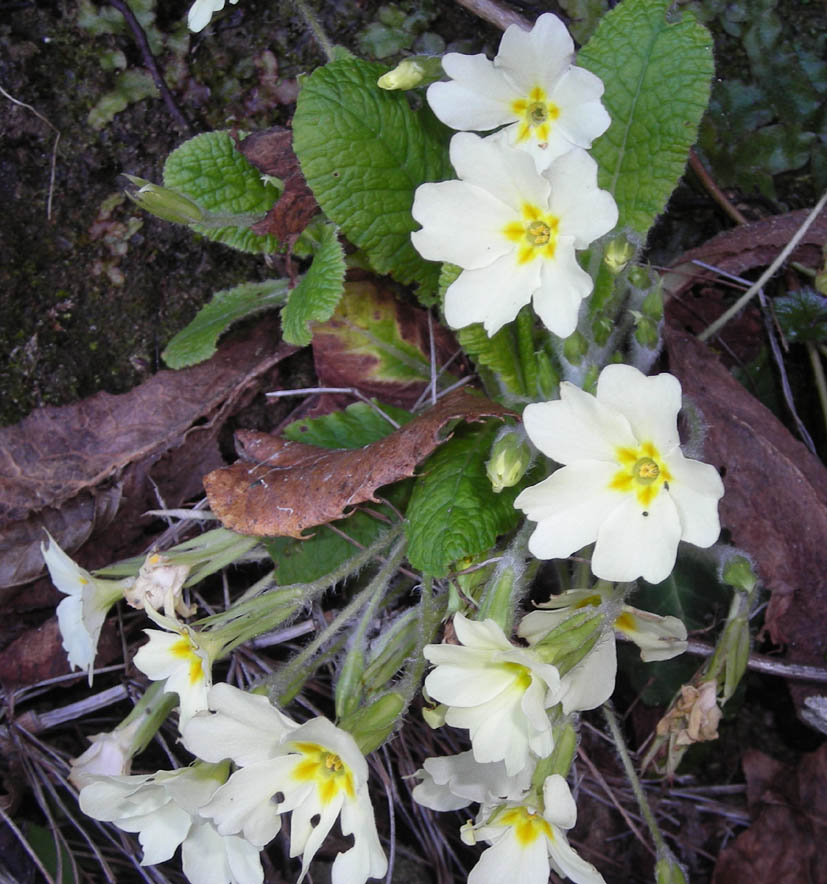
{"x":80,"y":616}
{"x":528,"y":841}
{"x":164,"y":809}
{"x":160,"y":582}
{"x":695,"y":715}
{"x":514,"y":232}
{"x":547,"y":105}
{"x":315,"y":769}
{"x":498,"y":691}
{"x":626,"y":483}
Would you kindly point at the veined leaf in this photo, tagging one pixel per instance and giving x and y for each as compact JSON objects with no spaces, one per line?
{"x":197,"y":341}
{"x":364,"y":151}
{"x":318,"y":293}
{"x":657,"y":75}
{"x":357,"y":425}
{"x":211,"y":172}
{"x":453,"y":511}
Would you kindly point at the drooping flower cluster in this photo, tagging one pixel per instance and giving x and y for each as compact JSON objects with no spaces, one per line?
{"x":527,"y":196}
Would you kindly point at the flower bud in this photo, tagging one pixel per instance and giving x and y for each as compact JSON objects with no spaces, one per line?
{"x":618,"y":254}
{"x":646,"y":332}
{"x":509,"y":460}
{"x":163,"y":202}
{"x":738,"y":572}
{"x":668,"y":871}
{"x":575,"y":348}
{"x":418,"y":70}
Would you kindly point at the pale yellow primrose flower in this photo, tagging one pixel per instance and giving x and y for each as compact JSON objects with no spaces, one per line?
{"x":625,"y":482}
{"x":202,"y":11}
{"x":547,"y":105}
{"x":160,"y":582}
{"x":163,"y":809}
{"x":451,"y":782}
{"x":527,"y":842}
{"x":498,"y":691}
{"x":183,"y":657}
{"x":81,"y":615}
{"x":316,"y":768}
{"x":514,"y":232}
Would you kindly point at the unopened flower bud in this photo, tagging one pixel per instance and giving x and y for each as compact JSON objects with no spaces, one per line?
{"x":575,"y":348}
{"x":738,"y":572}
{"x":419,"y":70}
{"x":371,"y":725}
{"x":510,"y":458}
{"x":646,"y":332}
{"x":618,"y":254}
{"x":668,"y":871}
{"x":163,"y":202}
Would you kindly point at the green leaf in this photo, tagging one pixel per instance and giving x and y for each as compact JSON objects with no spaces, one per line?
{"x":210,"y":171}
{"x":370,"y":333}
{"x":303,"y":561}
{"x":357,"y":425}
{"x":318,"y":293}
{"x":364,"y":151}
{"x":657,"y":76}
{"x":453,"y":511}
{"x":197,"y":341}
{"x":802,"y":315}
{"x":134,"y":84}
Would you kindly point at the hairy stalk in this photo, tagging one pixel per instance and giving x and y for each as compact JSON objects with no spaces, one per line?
{"x":315,"y":28}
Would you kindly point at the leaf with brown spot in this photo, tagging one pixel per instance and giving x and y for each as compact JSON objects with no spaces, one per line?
{"x":775,"y":505}
{"x":376,"y":343}
{"x":294,"y":486}
{"x":271,"y":151}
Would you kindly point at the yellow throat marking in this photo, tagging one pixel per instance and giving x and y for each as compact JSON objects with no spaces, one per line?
{"x":642,"y":472}
{"x":323,"y":767}
{"x":535,"y":115}
{"x":535,"y":234}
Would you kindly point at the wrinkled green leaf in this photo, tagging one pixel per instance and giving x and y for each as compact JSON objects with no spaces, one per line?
{"x":318,"y":293}
{"x":657,"y":76}
{"x":210,"y":171}
{"x":198,"y":340}
{"x":802,"y":315}
{"x":364,"y":151}
{"x":453,"y":511}
{"x":357,"y":425}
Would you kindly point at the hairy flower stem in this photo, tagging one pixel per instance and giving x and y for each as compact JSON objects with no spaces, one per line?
{"x":509,"y":582}
{"x":286,"y":683}
{"x":315,"y":28}
{"x":634,"y":782}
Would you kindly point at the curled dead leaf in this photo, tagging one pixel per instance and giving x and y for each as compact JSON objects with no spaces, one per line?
{"x":294,"y":486}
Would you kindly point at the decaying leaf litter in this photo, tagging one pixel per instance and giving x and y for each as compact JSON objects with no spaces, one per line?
{"x":795,"y":484}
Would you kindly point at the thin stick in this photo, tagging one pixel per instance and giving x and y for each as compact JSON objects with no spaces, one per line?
{"x":149,"y":60}
{"x":53,"y":162}
{"x":712,"y":188}
{"x":722,"y":320}
{"x":495,"y":13}
{"x":762,"y":663}
{"x":818,"y":374}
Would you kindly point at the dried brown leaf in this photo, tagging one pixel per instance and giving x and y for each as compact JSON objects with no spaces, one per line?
{"x":271,"y":151}
{"x":296,"y":486}
{"x":788,"y":840}
{"x":775,"y":505}
{"x":70,"y":468}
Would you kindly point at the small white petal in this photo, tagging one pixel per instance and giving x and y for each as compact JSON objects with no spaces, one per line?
{"x":365,"y":859}
{"x":570,"y":506}
{"x":201,"y":12}
{"x":592,"y":681}
{"x":508,"y":860}
{"x":577,"y":427}
{"x":492,"y":165}
{"x":210,"y":858}
{"x":585,"y":212}
{"x":650,"y":404}
{"x":568,"y":863}
{"x":696,"y":489}
{"x":478,"y":97}
{"x":480,"y":634}
{"x":631,"y":544}
{"x":559,"y":807}
{"x":538,"y":56}
{"x":462,"y":223}
{"x":563,"y":285}
{"x":659,"y":638}
{"x":583,"y":118}
{"x":462,"y":686}
{"x":492,"y":295}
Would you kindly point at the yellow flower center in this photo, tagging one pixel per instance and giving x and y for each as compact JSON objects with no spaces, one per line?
{"x":642,"y":472}
{"x":186,"y":648}
{"x":535,"y":115}
{"x":528,"y":826}
{"x":535,"y":234}
{"x":522,"y":676}
{"x":324,"y":768}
